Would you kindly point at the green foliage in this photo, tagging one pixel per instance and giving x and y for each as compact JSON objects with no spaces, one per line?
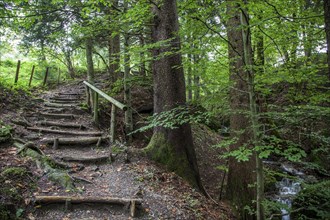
{"x":14,"y":171}
{"x":5,"y":132}
{"x":174,"y":118}
{"x":8,"y":71}
{"x":313,"y":202}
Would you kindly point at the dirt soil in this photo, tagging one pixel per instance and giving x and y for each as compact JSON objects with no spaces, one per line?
{"x":164,"y":195}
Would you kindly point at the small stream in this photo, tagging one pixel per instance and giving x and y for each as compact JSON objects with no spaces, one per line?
{"x":288,"y":188}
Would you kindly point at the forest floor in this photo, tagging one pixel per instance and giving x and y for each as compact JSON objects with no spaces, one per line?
{"x":164,"y":195}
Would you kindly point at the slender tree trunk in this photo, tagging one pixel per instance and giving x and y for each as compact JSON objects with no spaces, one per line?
{"x":172,"y":147}
{"x":114,"y":49}
{"x":307,"y":42}
{"x":43,"y":56}
{"x":69,"y":65}
{"x":241,"y":175}
{"x":189,"y":77}
{"x":89,"y":58}
{"x":327,"y":30}
{"x":142,"y":57}
{"x":196,"y":60}
{"x":260,"y":58}
{"x":246,"y":34}
{"x":110,"y":70}
{"x":127,"y":87}
{"x":127,"y":93}
{"x":295,"y":42}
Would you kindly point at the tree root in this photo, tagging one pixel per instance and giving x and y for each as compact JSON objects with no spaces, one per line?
{"x":47,"y":164}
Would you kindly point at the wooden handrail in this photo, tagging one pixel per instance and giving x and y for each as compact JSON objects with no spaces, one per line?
{"x":110,"y":99}
{"x":94,"y":95}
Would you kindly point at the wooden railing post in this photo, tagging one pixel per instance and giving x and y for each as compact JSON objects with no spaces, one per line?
{"x":17,"y":71}
{"x":113,"y":123}
{"x":96,"y":107}
{"x":93,"y":93}
{"x":31,"y":77}
{"x":88,"y":98}
{"x":46,"y":75}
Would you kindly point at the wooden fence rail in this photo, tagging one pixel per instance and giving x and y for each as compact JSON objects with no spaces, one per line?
{"x":93,"y":93}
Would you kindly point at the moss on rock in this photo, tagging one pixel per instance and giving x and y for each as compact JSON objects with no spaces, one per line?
{"x":14,"y":171}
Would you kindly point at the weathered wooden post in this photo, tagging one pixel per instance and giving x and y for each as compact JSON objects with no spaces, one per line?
{"x":17,"y":71}
{"x":46,"y":75}
{"x":96,"y":107}
{"x":88,"y":99}
{"x":31,"y":77}
{"x":59,"y":76}
{"x":113,"y":123}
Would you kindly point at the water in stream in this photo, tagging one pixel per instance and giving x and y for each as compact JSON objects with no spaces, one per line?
{"x":288,"y":188}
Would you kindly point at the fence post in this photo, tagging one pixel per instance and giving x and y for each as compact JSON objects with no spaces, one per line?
{"x":96,"y":107}
{"x":46,"y":75}
{"x":88,"y":99}
{"x":17,"y":70}
{"x":112,"y":123}
{"x":32,"y":72}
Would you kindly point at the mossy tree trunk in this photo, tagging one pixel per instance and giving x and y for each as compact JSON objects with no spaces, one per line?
{"x":242,"y":176}
{"x":172,"y":147}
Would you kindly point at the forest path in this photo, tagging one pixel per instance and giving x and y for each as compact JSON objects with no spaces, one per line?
{"x":61,"y":117}
{"x":42,"y":119}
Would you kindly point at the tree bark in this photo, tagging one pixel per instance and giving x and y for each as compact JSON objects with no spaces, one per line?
{"x":196,"y":60}
{"x":327,"y":30}
{"x":127,"y":92}
{"x":89,"y":58}
{"x":114,"y":50}
{"x":172,"y":147}
{"x":189,"y":77}
{"x":69,"y":64}
{"x":142,"y":57}
{"x":241,"y":175}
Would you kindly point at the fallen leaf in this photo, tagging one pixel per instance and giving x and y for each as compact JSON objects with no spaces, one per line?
{"x":31,"y":217}
{"x":27,"y":202}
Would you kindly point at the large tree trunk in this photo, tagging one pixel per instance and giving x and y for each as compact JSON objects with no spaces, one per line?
{"x":241,"y":175}
{"x":172,"y":147}
{"x":327,"y":30}
{"x":89,"y":58}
